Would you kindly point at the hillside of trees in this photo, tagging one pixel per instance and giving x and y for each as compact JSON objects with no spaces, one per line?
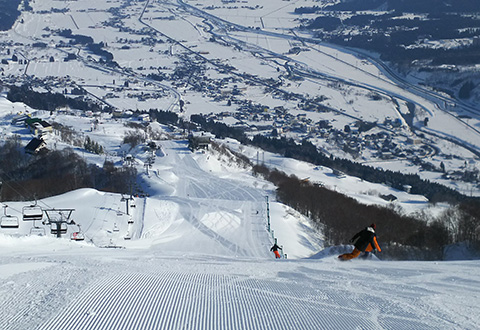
{"x":411,"y":6}
{"x":27,"y":177}
{"x":88,"y":42}
{"x":9,"y":13}
{"x":389,"y":32}
{"x":51,"y":101}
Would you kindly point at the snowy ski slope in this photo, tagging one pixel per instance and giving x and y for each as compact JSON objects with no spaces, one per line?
{"x":199,"y":259}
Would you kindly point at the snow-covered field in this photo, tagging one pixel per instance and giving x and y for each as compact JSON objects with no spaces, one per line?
{"x":198,"y":256}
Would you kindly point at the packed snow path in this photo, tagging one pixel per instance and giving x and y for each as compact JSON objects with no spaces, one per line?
{"x":122,"y":289}
{"x":195,"y":210}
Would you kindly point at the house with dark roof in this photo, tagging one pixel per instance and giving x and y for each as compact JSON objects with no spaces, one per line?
{"x":199,"y":140}
{"x":35,"y":146}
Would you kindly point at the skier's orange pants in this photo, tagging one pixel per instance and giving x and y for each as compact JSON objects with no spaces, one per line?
{"x":347,"y":256}
{"x":277,"y":254}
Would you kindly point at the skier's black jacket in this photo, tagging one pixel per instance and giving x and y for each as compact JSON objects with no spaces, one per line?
{"x":363,"y":238}
{"x":275,"y":247}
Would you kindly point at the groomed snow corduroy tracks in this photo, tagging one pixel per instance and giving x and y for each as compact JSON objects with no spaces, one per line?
{"x":164,"y":299}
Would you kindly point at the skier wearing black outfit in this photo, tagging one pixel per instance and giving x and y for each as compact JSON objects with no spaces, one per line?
{"x":363,"y":241}
{"x":275,"y":249}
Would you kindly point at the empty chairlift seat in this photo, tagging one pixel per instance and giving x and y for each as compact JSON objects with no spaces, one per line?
{"x":37,"y":231}
{"x":9,"y":221}
{"x":54,"y":229}
{"x":32,"y":213}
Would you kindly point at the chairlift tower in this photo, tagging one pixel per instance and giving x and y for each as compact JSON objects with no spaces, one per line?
{"x":268,"y":214}
{"x":59,"y":223}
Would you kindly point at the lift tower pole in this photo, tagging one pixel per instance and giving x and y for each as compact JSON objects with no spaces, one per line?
{"x":268,"y":215}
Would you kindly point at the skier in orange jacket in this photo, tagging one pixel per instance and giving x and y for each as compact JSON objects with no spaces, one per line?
{"x":363,"y":241}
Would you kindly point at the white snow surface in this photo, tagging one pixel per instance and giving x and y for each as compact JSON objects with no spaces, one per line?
{"x":199,"y":258}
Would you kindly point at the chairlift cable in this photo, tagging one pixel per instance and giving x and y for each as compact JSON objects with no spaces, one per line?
{"x":19,"y":193}
{"x":12,"y":208}
{"x":8,"y":184}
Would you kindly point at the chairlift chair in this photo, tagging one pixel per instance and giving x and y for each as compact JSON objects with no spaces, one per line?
{"x":77,"y":236}
{"x":32,"y":213}
{"x":9,"y":221}
{"x":127,"y":236}
{"x":130,"y":220}
{"x":115,"y":228}
{"x":37,"y":231}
